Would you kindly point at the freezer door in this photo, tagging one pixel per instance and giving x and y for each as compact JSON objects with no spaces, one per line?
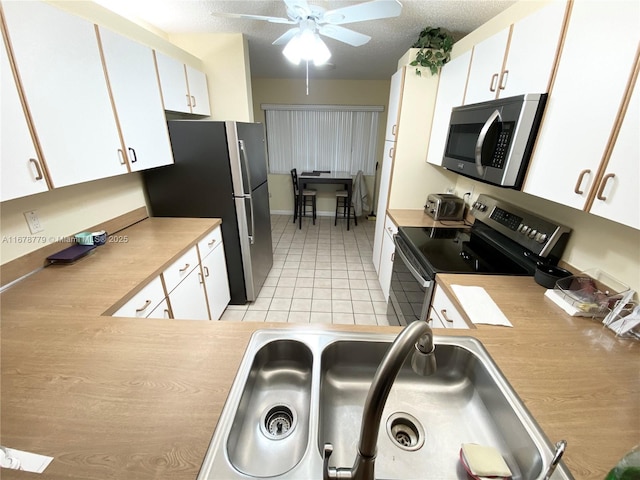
{"x":254,"y":223}
{"x":247,"y":154}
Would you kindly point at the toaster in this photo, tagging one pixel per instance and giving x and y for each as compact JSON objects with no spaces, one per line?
{"x":444,"y":206}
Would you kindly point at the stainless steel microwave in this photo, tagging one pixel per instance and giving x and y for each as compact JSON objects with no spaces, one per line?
{"x":492,"y":141}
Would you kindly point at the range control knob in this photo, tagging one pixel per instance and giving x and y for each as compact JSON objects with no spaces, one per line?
{"x":541,"y":237}
{"x":525,"y":230}
{"x":533,"y":233}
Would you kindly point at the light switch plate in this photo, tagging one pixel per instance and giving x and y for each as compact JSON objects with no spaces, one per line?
{"x":33,"y":221}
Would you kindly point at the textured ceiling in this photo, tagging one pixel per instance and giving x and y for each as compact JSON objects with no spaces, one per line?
{"x":375,"y":60}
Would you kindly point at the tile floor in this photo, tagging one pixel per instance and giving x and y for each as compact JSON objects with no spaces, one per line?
{"x":321,"y":274}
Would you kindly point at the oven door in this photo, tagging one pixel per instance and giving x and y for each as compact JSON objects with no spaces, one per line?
{"x":411,"y":287}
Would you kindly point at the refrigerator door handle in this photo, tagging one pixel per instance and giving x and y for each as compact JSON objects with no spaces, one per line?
{"x":244,"y":171}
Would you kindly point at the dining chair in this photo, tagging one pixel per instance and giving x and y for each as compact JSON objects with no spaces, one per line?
{"x":308,"y":199}
{"x":342,"y":208}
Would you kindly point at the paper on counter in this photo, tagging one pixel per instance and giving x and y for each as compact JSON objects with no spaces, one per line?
{"x":479,"y":306}
{"x":21,"y":460}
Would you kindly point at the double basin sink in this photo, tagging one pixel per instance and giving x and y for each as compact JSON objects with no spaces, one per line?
{"x":296,"y":390}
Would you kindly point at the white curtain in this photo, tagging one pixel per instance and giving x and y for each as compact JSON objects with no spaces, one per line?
{"x":325,"y":137}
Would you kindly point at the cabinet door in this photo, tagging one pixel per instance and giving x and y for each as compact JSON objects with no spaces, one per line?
{"x":216,"y":282}
{"x":383,"y":193}
{"x":386,"y":258}
{"x":486,"y":66}
{"x":64,"y":83}
{"x":393,"y":112}
{"x":198,"y":91}
{"x":188,"y":301}
{"x":444,"y":308}
{"x":584,"y":103}
{"x":618,"y":196}
{"x":532,"y":54}
{"x":144,"y":302}
{"x":136,"y":94}
{"x":173,"y":83}
{"x":451,"y":87}
{"x":22,"y":172}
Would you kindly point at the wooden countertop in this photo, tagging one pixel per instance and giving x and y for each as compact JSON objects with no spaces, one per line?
{"x":417,"y":218}
{"x":113,"y":398}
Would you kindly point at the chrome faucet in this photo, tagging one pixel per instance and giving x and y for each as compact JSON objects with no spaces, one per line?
{"x":417,"y":336}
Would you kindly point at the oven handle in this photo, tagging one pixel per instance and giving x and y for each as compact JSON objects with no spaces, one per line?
{"x":424,"y":283}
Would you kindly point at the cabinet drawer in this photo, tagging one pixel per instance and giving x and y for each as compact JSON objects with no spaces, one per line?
{"x":444,"y":309}
{"x":143,"y":302}
{"x":179,"y":270}
{"x":390,"y":227}
{"x":211,"y":241}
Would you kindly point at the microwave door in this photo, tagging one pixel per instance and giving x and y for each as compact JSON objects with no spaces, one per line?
{"x":487,"y":142}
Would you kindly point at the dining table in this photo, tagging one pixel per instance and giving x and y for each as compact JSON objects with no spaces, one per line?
{"x":324,"y":177}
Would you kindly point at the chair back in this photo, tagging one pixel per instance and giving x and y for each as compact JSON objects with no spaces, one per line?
{"x":294,"y":179}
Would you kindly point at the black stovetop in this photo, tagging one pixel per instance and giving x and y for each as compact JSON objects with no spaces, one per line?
{"x":477,"y":249}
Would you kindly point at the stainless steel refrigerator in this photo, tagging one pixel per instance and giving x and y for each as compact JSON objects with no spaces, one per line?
{"x":220,"y":170}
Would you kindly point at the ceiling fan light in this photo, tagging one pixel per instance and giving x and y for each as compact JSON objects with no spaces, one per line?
{"x":321,"y":54}
{"x":293,"y":51}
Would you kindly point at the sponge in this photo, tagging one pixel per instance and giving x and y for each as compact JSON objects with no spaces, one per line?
{"x":484,"y":461}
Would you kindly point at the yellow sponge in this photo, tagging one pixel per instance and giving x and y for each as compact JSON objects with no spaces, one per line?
{"x":485,"y":461}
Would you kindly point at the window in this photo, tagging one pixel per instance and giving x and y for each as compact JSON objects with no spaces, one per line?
{"x":322,"y":137}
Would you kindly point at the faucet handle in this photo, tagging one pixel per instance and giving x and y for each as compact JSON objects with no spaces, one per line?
{"x":326,"y":471}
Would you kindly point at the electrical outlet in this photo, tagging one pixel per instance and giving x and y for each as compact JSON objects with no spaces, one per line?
{"x":33,"y":221}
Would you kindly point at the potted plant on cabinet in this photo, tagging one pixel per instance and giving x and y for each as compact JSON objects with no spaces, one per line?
{"x":434,"y":46}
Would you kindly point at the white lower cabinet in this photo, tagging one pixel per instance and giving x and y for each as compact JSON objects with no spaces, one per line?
{"x":189,"y":288}
{"x":443,"y":312}
{"x":386,"y":258}
{"x":188,"y":299}
{"x":144,"y":302}
{"x":216,"y":283}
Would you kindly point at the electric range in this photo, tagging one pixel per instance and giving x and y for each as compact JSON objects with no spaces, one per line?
{"x":504,"y":239}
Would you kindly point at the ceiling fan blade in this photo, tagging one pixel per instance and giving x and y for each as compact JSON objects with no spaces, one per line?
{"x":255,"y":17}
{"x":297,"y":9}
{"x":361,"y":12}
{"x":286,"y":36}
{"x":344,"y":35}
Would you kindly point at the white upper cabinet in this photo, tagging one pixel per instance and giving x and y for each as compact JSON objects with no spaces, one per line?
{"x":198,"y":91}
{"x":519,"y":59}
{"x":22,"y":172}
{"x":393,"y":112}
{"x":136,"y":94}
{"x":590,"y":84}
{"x":451,"y":87}
{"x":532,"y":51}
{"x":486,"y":66}
{"x":184,"y":88}
{"x":61,"y":72}
{"x":618,"y":196}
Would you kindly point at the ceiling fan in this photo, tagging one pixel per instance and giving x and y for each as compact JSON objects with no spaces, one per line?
{"x":303,"y":42}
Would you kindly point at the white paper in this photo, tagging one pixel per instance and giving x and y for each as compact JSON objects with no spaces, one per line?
{"x":479,"y":306}
{"x":21,"y":460}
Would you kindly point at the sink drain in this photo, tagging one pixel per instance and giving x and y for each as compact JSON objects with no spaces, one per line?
{"x":278,"y":422}
{"x":405,"y":431}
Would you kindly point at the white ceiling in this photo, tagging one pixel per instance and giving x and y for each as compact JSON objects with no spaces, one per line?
{"x":377,"y":59}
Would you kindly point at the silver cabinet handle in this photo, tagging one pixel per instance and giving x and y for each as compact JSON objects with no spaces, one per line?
{"x":504,"y":76}
{"x":200,"y":278}
{"x":494,"y":81}
{"x":210,"y":244}
{"x":121,"y":155}
{"x":188,"y":100}
{"x":38,"y":170}
{"x":184,"y":269}
{"x":495,"y":117}
{"x":394,"y":130}
{"x":133,"y":152}
{"x":604,"y":184}
{"x":444,"y":315}
{"x":206,"y":271}
{"x":391,"y":150}
{"x":579,"y":182}
{"x":194,"y":101}
{"x":144,"y":307}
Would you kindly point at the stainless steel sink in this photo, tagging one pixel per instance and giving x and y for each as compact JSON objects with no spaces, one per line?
{"x":299,"y":389}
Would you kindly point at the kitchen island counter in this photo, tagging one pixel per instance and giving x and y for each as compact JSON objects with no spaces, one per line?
{"x":116,"y":398}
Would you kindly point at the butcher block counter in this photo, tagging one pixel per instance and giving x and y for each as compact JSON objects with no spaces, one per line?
{"x":121,"y":398}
